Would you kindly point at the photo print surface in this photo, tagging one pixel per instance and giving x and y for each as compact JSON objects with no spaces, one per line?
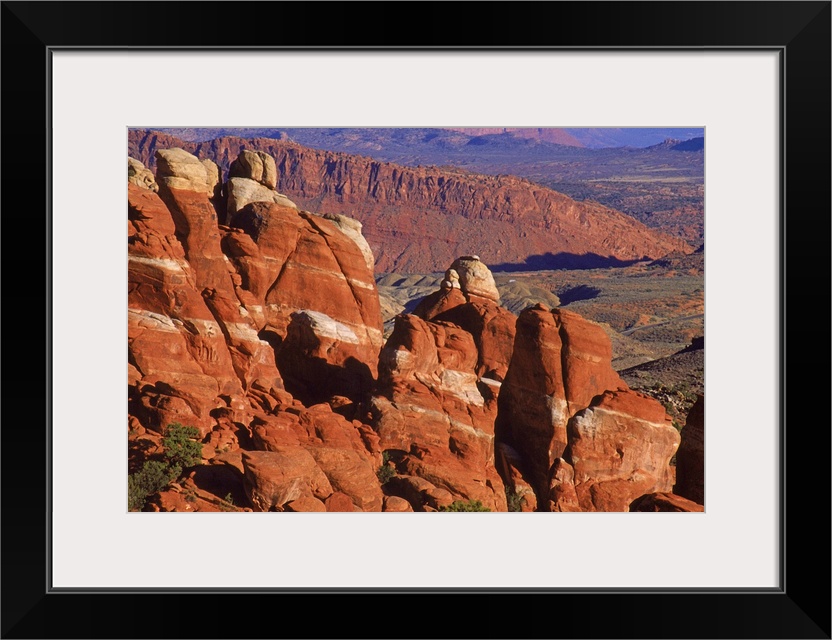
{"x":415,"y":320}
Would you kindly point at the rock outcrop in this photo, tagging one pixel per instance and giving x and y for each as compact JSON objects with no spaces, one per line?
{"x":213,"y":310}
{"x":178,"y":169}
{"x":475,"y":279}
{"x":265,"y":334}
{"x":140,"y":176}
{"x":469,"y":299}
{"x":431,"y":411}
{"x":559,"y":363}
{"x":620,"y":448}
{"x":253,"y":178}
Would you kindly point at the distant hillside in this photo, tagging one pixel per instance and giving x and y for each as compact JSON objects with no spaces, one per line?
{"x":419,"y":219}
{"x":553,"y":135}
{"x":657,"y":186}
{"x":603,"y":137}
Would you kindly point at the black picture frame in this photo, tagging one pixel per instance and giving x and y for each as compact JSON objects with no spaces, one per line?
{"x":800,"y":608}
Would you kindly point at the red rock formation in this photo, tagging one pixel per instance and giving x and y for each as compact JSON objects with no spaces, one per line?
{"x":419,"y":219}
{"x":438,"y":302}
{"x":620,"y":448}
{"x":289,"y":261}
{"x":175,"y":344}
{"x":559,"y":363}
{"x":665,"y":502}
{"x":562,"y":494}
{"x":690,"y":459}
{"x":283,"y":475}
{"x":492,"y":327}
{"x":469,"y":299}
{"x":215,"y":311}
{"x":200,"y":296}
{"x":430,"y":409}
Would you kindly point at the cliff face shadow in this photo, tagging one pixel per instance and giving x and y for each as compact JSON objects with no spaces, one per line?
{"x":581,"y":292}
{"x":313,"y":380}
{"x":562,"y":260}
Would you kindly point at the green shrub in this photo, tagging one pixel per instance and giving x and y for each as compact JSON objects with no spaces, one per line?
{"x":385,"y":471}
{"x":470,"y":505}
{"x":227,"y":503}
{"x":514,"y":500}
{"x":153,"y":477}
{"x":181,"y":447}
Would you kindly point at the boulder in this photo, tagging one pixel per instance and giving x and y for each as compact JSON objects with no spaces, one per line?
{"x":255,"y":165}
{"x":242,"y":191}
{"x":306,"y":504}
{"x":339,"y":502}
{"x":475,"y":279}
{"x":492,"y":328}
{"x":275,"y":478}
{"x":140,"y":176}
{"x":394,"y":504}
{"x":620,"y":448}
{"x":350,"y":473}
{"x":178,"y":169}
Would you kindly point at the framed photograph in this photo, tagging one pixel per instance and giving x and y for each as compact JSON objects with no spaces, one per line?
{"x":732,"y":189}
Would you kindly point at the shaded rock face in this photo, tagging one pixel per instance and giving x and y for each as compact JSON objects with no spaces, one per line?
{"x":431,"y":411}
{"x":690,"y":460}
{"x":208,"y":304}
{"x":562,"y":494}
{"x":665,"y":502}
{"x":292,"y":262}
{"x":559,"y":363}
{"x":511,"y":466}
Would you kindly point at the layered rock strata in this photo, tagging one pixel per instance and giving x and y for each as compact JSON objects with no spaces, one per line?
{"x":213,"y":311}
